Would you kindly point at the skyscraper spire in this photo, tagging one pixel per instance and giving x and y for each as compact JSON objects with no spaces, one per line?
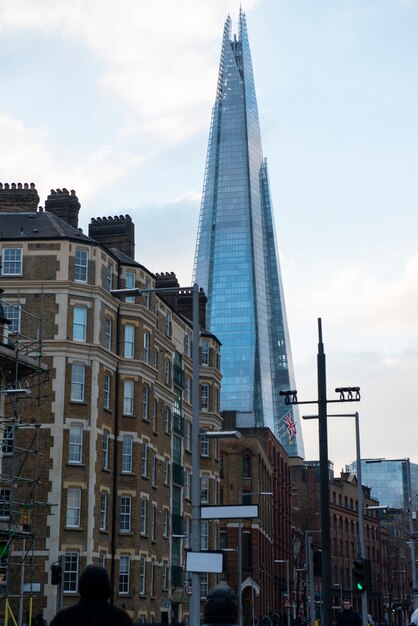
{"x":236,"y":260}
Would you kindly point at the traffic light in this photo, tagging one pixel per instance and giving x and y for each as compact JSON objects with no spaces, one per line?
{"x":359,"y":574}
{"x":55,"y":574}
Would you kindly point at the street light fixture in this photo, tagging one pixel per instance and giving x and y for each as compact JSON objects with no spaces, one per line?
{"x":287,"y":584}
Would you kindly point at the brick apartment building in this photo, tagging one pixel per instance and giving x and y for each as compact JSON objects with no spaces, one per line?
{"x":113,"y":419}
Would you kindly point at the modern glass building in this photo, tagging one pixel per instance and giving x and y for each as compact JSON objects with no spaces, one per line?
{"x":236,"y":258}
{"x":388,"y":481}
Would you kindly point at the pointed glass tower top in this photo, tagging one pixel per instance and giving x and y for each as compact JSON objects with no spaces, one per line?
{"x":236,"y":260}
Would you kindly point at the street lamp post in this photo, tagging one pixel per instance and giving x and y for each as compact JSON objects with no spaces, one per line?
{"x":195,"y":530}
{"x":287,"y":585}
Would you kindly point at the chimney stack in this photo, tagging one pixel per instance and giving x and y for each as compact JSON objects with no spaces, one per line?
{"x":114,"y":232}
{"x":18,"y":198}
{"x":65,"y":205}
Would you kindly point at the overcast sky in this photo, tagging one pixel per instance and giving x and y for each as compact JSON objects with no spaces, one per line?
{"x":113,"y":99}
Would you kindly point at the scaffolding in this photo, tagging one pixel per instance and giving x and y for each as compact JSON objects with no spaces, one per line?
{"x":23,"y":375}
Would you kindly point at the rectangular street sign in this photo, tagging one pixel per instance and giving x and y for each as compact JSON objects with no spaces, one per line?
{"x":204,"y":562}
{"x":235,"y":511}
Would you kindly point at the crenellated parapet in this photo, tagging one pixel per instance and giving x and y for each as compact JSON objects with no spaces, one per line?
{"x":18,"y":198}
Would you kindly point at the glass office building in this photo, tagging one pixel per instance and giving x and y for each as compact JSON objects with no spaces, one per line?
{"x":388,"y":481}
{"x":236,"y":258}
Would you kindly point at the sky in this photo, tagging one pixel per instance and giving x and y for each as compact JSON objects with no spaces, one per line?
{"x":113,"y":99}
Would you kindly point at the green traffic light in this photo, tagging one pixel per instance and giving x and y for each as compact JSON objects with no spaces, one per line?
{"x":359,"y":586}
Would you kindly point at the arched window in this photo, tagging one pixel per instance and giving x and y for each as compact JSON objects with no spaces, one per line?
{"x":246,"y":466}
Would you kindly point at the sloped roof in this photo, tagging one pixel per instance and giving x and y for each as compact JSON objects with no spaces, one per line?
{"x":38,"y":225}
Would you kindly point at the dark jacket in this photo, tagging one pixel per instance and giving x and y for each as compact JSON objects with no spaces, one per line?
{"x":93,"y":608}
{"x":221,"y":607}
{"x":348,"y":617}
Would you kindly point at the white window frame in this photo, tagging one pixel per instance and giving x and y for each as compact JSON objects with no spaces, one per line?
{"x":124,"y":574}
{"x":204,"y":446}
{"x":154,"y":415}
{"x":204,"y":489}
{"x":143,"y":506}
{"x":151,"y":578}
{"x":145,"y":402}
{"x":14,"y":265}
{"x":108,"y":334}
{"x":142,"y":575}
{"x":75,"y":444}
{"x":79,"y":323}
{"x":204,"y":397}
{"x":70,"y":574}
{"x":12,"y":312}
{"x":125,"y":512}
{"x":154,"y":470}
{"x":164,"y":579}
{"x":109,"y":276}
{"x":167,"y":370}
{"x":144,"y":459}
{"x":73,"y":515}
{"x":168,"y":324}
{"x":188,"y":436}
{"x":127,"y":454}
{"x":146,"y":346}
{"x":204,"y":534}
{"x":188,"y":344}
{"x":166,"y":471}
{"x":107,"y":381}
{"x":204,"y":585}
{"x":106,"y":450}
{"x":187,"y":483}
{"x":153,"y":521}
{"x":167,"y":419}
{"x":205,"y":352}
{"x":129,"y":341}
{"x":166,"y":524}
{"x":81,"y":264}
{"x":130,"y":282}
{"x":128,"y":397}
{"x":188,"y":390}
{"x":78,"y":375}
{"x":187,"y":532}
{"x":103,"y":510}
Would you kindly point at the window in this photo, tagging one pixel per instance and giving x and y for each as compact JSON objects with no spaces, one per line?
{"x":125,"y":513}
{"x":156,"y":359}
{"x":147,"y":294}
{"x":187,"y":483}
{"x":130,"y":284}
{"x":103,"y":511}
{"x":188,"y":436}
{"x":128,"y":397}
{"x":75,"y":444}
{"x":81,"y":264}
{"x":151,"y":578}
{"x":153,"y":519}
{"x":108,"y":334}
{"x":80,"y":323}
{"x":204,"y":584}
{"x":102,"y":559}
{"x":124,"y":573}
{"x":166,"y":471}
{"x":165,"y":523}
{"x":77,"y":382}
{"x":73,"y":507}
{"x":154,"y":416}
{"x":204,"y":445}
{"x":106,"y":391}
{"x":246,"y":466}
{"x":127,"y":448}
{"x":145,"y":396}
{"x":154,"y":470}
{"x":187,"y":532}
{"x":168,"y":324}
{"x":144,"y":459}
{"x":70,"y":578}
{"x":205,"y":353}
{"x":167,"y":418}
{"x":109,"y":276}
{"x":164,"y":581}
{"x":204,"y":489}
{"x":204,"y":397}
{"x":106,"y":450}
{"x":5,"y":495}
{"x":143,"y":516}
{"x":129,"y":341}
{"x":12,"y":261}
{"x":146,"y":347}
{"x":12,"y":313}
{"x":142,"y":575}
{"x":188,"y":390}
{"x":204,"y":535}
{"x":7,"y":443}
{"x":167,"y":372}
{"x":188,"y":344}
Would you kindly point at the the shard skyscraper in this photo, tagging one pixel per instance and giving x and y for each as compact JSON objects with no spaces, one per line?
{"x":236,"y":258}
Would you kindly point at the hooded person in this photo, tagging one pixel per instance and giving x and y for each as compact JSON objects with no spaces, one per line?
{"x":221,"y":606}
{"x":93,"y":608}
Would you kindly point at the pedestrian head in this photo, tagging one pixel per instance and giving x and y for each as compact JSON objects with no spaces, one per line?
{"x":94,"y":583}
{"x":346,"y":603}
{"x":221,"y":605}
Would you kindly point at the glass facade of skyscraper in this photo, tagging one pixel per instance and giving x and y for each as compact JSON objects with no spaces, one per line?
{"x":236,"y":258}
{"x":388,"y":480}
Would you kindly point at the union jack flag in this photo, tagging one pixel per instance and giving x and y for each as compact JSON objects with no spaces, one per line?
{"x":290,"y":424}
